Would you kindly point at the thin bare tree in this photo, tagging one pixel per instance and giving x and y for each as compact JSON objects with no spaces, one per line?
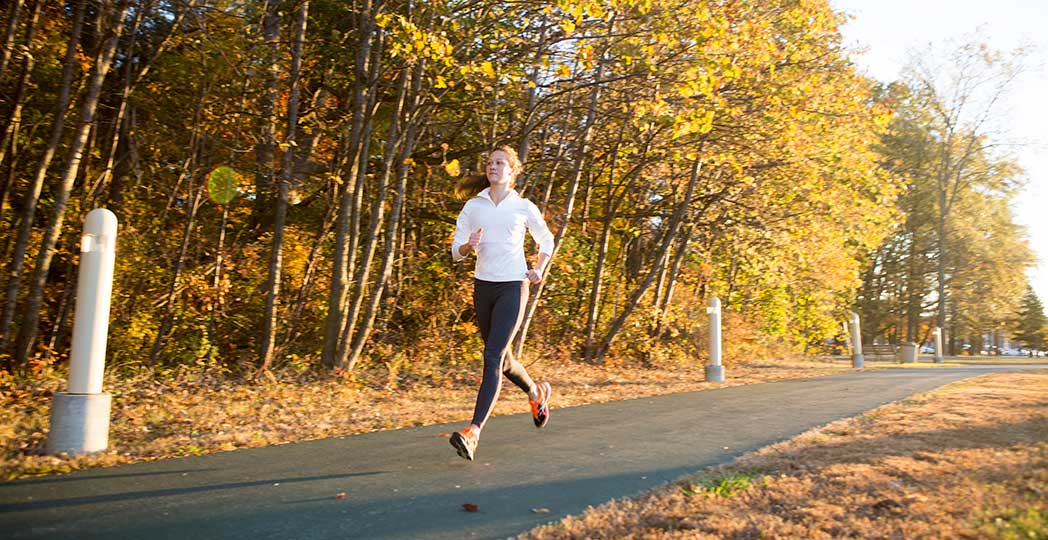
{"x":569,"y":199}
{"x":14,"y":11}
{"x":28,"y":330}
{"x":406,"y":143}
{"x":189,"y":174}
{"x":661,"y":252}
{"x":14,"y":276}
{"x":269,"y":331}
{"x":350,"y":190}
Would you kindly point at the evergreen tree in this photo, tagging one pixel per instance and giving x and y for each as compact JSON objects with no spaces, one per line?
{"x":1031,"y":324}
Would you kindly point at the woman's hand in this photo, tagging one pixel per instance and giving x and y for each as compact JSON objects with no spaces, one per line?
{"x":472,"y":243}
{"x":535,"y":274}
{"x":474,"y":237}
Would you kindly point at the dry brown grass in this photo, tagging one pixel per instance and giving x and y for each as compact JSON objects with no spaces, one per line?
{"x":191,"y":413}
{"x":969,"y":460}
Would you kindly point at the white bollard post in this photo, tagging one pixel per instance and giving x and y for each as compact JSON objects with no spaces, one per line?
{"x":715,"y":371}
{"x":80,"y":417}
{"x":938,"y":345}
{"x":857,"y":358}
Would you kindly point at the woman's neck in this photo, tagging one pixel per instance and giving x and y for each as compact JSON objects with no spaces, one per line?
{"x":498,"y":192}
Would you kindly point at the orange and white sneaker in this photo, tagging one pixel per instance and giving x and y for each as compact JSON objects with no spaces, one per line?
{"x":540,"y":408}
{"x":465,"y":441}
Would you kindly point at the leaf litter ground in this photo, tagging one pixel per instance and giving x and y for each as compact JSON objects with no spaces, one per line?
{"x":969,"y":460}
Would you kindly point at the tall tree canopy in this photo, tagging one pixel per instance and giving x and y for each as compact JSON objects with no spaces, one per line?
{"x":678,"y":150}
{"x":958,"y":260}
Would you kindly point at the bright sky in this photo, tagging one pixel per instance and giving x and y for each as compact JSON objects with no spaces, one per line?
{"x":888,"y":29}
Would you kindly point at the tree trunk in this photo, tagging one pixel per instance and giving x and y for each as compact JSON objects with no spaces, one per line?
{"x":342,"y":253}
{"x":940,"y":242}
{"x":656,"y":299}
{"x":95,"y":191}
{"x":128,"y":168}
{"x":307,"y":280}
{"x":33,"y":196}
{"x":551,"y":177}
{"x":65,"y":307}
{"x":393,"y":142}
{"x":532,"y":93}
{"x":954,"y":134}
{"x":9,"y":138}
{"x":167,"y":320}
{"x":9,"y":33}
{"x":663,"y":301}
{"x":569,"y":204}
{"x":596,"y":298}
{"x":115,"y":198}
{"x":913,"y":298}
{"x":216,"y":285}
{"x":339,"y":265}
{"x":674,"y":224}
{"x":357,"y":204}
{"x":189,"y":174}
{"x":269,"y":332}
{"x":393,"y":223}
{"x":265,"y":149}
{"x":596,"y":288}
{"x":27,"y":332}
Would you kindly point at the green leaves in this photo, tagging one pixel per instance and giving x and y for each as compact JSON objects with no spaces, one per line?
{"x":1030,"y":325}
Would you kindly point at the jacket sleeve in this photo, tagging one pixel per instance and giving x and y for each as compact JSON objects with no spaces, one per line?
{"x":462,"y":230}
{"x":538,"y":229}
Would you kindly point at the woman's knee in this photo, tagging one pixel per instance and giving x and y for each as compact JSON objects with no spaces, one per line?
{"x":492,"y":362}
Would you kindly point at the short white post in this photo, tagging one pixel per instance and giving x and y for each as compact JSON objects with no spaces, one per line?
{"x":80,"y":417}
{"x":938,"y":345}
{"x":714,"y":370}
{"x":856,"y":335}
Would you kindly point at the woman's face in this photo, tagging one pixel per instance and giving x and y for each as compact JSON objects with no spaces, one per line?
{"x":500,"y":170}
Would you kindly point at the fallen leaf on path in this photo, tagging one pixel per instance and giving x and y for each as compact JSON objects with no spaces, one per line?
{"x":470,"y":507}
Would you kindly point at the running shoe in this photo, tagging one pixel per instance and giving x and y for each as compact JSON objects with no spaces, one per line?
{"x":540,"y":408}
{"x":465,"y":441}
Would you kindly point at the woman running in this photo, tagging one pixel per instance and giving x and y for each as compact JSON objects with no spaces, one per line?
{"x":492,"y":224}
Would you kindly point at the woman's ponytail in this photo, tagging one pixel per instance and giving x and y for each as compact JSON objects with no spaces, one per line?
{"x":470,"y":185}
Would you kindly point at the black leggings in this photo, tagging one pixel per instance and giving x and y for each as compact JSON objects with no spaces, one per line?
{"x":500,"y":308}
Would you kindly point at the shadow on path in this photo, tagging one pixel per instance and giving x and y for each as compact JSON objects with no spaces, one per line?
{"x":150,"y":494}
{"x":75,"y":478}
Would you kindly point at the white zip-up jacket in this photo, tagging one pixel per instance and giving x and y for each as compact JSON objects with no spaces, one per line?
{"x":500,"y":255}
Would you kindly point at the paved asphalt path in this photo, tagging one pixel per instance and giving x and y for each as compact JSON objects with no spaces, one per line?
{"x":410,"y":484}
